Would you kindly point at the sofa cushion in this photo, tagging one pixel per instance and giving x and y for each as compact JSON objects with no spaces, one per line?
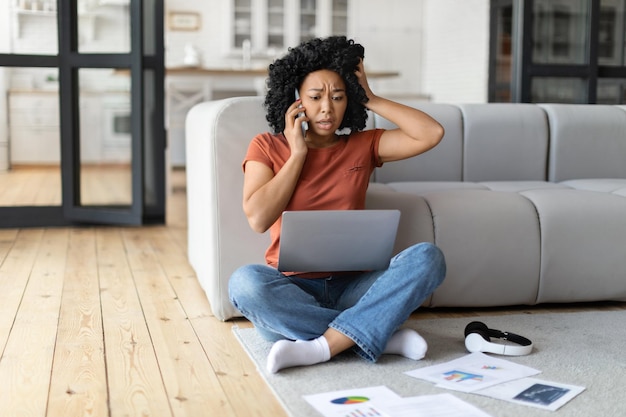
{"x":442,"y":163}
{"x":582,"y":245}
{"x":491,"y":243}
{"x":587,"y":141}
{"x":518,"y":186}
{"x":606,"y":185}
{"x":427,"y":187}
{"x":504,"y":142}
{"x":416,"y":221}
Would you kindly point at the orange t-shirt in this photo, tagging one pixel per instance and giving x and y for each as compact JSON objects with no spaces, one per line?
{"x":333,"y":178}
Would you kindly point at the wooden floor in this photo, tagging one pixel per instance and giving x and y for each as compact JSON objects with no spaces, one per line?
{"x":111,"y":321}
{"x":37,"y":185}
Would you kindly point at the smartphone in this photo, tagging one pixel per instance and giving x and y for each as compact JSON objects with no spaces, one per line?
{"x":305,"y":125}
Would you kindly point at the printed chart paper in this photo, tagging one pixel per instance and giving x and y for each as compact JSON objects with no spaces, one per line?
{"x":358,"y":402}
{"x":380,"y":401}
{"x":534,"y":392}
{"x":473,"y":372}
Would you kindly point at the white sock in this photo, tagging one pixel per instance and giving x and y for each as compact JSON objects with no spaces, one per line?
{"x":407,"y":343}
{"x":286,"y":353}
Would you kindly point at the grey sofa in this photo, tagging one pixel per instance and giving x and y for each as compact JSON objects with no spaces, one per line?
{"x":527,"y":202}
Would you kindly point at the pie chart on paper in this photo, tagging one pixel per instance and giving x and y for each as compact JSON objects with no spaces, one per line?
{"x":350,"y":400}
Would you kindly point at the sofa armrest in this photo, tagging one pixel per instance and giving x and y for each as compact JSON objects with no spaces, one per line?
{"x":219,"y":238}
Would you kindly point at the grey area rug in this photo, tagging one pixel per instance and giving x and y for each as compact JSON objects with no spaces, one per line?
{"x":578,"y":348}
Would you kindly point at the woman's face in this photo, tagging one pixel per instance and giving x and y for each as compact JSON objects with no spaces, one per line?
{"x":325,"y":101}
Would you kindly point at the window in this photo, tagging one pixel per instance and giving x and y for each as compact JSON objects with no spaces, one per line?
{"x":565,"y":51}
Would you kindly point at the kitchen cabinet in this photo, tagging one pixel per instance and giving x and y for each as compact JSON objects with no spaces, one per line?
{"x":34,"y":128}
{"x":264,"y":27}
{"x":30,"y":12}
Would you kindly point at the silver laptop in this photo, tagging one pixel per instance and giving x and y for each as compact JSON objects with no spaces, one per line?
{"x":337,"y":240}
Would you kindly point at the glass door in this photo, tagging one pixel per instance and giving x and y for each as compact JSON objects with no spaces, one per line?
{"x":99,"y":132}
{"x":30,"y":172}
{"x":558,"y":51}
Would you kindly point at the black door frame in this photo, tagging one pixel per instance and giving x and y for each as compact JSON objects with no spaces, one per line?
{"x":146,"y":65}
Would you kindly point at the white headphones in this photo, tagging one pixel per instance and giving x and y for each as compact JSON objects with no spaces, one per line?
{"x":478,"y":339}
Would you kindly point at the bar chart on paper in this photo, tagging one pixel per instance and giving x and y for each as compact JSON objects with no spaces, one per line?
{"x":364,"y":412}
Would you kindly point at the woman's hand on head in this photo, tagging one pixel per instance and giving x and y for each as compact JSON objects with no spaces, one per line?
{"x":362,"y":77}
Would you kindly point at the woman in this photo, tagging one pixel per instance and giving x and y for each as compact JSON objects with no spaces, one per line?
{"x":312,"y":317}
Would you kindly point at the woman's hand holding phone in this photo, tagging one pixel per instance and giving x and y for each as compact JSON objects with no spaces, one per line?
{"x":295,"y":132}
{"x":304,"y":124}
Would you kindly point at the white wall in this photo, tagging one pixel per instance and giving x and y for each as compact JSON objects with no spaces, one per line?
{"x":456,"y":50}
{"x":209,"y":40}
{"x":391,"y":32}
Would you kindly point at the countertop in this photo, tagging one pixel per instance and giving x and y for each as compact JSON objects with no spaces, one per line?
{"x":255,"y":72}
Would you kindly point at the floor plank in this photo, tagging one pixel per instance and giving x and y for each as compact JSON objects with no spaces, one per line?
{"x":189,"y":379}
{"x":237,"y":376}
{"x":14,"y":275}
{"x":133,"y":374}
{"x":78,"y":383}
{"x":27,"y":358}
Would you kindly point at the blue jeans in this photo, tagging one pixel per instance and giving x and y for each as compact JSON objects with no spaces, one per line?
{"x":367,"y":307}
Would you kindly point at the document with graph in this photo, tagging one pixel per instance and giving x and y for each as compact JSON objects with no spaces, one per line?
{"x":533,"y":392}
{"x":473,"y":372}
{"x":380,"y":401}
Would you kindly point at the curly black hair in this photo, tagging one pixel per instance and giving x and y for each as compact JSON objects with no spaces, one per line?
{"x":335,"y":53}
